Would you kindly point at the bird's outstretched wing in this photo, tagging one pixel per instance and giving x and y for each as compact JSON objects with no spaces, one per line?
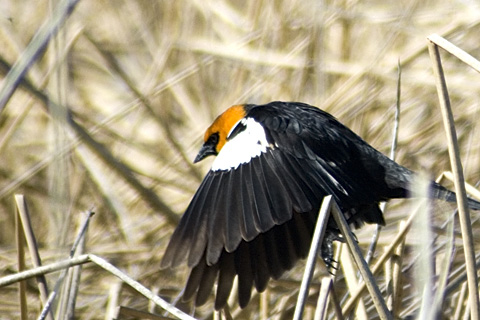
{"x":246,"y":221}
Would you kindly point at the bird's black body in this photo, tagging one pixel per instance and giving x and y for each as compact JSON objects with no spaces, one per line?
{"x":257,"y":220}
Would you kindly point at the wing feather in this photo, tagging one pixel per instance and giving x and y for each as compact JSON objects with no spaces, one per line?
{"x":206,"y":284}
{"x":288,"y":252}
{"x":225,"y":279}
{"x":194,"y":281}
{"x":250,"y":225}
{"x":295,"y":171}
{"x":237,"y":209}
{"x":182,"y":242}
{"x":217,"y":217}
{"x":278,"y":199}
{"x":207,"y":210}
{"x":243,"y":268}
{"x":266,"y":218}
{"x":303,"y":230}
{"x":272,"y":253}
{"x":259,"y":263}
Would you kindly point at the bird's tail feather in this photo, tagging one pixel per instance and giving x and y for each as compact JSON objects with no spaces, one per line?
{"x":440,"y":192}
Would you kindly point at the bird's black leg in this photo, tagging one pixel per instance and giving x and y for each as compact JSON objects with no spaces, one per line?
{"x":327,"y":246}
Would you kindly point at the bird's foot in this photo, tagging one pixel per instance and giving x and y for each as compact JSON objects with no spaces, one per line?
{"x":327,"y":247}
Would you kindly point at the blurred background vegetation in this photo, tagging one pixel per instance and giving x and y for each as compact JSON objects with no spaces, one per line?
{"x":143,"y":79}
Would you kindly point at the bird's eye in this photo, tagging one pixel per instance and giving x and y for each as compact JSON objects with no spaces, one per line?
{"x":213,"y":139}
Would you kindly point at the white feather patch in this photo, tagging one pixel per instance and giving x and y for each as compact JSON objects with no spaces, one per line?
{"x":248,"y":144}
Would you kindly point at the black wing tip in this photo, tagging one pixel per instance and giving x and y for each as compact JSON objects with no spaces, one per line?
{"x":167,"y":260}
{"x":244,"y":298}
{"x":221,"y":301}
{"x":473,"y":204}
{"x":164,"y":265}
{"x":171,"y":257}
{"x":440,"y":192}
{"x":170,"y":262}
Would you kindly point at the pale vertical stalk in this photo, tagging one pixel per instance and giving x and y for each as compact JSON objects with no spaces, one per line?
{"x":397,"y":276}
{"x":465,"y":223}
{"x":22,"y":285}
{"x":459,"y":306}
{"x":264,"y":304}
{"x":32,"y":246}
{"x":312,"y":256}
{"x":388,"y":280}
{"x":113,"y":297}
{"x":352,"y":281}
{"x":424,"y":268}
{"x":323,"y":296}
{"x":58,"y":170}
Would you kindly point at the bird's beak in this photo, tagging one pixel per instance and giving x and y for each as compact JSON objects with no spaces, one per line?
{"x":205,"y":151}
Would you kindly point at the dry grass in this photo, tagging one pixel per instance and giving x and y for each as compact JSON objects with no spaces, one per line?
{"x":141,"y":81}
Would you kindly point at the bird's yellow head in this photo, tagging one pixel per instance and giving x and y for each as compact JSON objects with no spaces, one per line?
{"x":216,"y":135}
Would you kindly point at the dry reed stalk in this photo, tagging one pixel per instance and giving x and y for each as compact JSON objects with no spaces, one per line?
{"x":317,"y":239}
{"x":22,"y":286}
{"x":24,"y":214}
{"x":365,"y":271}
{"x":465,"y":223}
